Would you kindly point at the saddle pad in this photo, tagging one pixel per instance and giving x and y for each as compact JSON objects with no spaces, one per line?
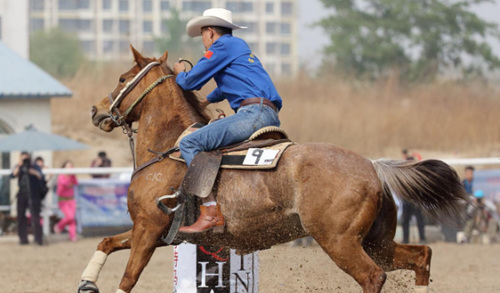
{"x":265,"y":157}
{"x":252,"y":158}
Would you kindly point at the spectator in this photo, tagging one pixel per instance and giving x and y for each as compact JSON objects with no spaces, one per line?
{"x":469,"y":178}
{"x":410,"y":210}
{"x":406,"y":155}
{"x":101,"y":161}
{"x":29,"y":177}
{"x":477,"y":216}
{"x":44,"y":189}
{"x":66,"y":202}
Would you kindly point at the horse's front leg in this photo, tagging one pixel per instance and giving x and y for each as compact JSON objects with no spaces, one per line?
{"x":144,"y":243}
{"x":105,"y":248}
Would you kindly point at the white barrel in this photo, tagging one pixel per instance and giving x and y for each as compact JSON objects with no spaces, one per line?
{"x":213,"y":269}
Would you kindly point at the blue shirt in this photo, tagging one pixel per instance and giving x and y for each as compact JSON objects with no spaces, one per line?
{"x":237,"y":72}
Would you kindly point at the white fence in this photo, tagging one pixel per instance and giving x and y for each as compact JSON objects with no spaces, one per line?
{"x":125,"y":172}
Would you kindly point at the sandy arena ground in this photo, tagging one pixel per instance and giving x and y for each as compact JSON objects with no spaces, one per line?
{"x":57,"y":268}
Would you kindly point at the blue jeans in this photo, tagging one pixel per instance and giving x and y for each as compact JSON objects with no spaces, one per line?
{"x":229,"y":130}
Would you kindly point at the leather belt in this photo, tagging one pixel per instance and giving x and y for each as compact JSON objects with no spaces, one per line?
{"x":250,"y":101}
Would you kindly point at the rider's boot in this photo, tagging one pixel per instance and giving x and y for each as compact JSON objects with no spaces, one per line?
{"x":210,"y":218}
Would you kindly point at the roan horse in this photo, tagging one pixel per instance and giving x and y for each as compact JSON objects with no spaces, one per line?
{"x":339,"y":198}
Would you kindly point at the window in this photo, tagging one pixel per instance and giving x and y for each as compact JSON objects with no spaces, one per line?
{"x":84,"y":25}
{"x":87,"y":46}
{"x":253,"y":47}
{"x":107,"y":25}
{"x":164,"y":27}
{"x":148,"y":47}
{"x":285,"y":49}
{"x":37,"y":5}
{"x":67,"y":4}
{"x":285,"y":29}
{"x":37,"y":24}
{"x":108,"y":46}
{"x":251,"y":27}
{"x":239,"y":6}
{"x":165,"y":5}
{"x":123,"y":5}
{"x":271,"y":68}
{"x":75,"y":25}
{"x":286,"y":69}
{"x":271,"y":48}
{"x":124,"y":26}
{"x":124,"y":46}
{"x":286,"y":8}
{"x":147,"y":6}
{"x":106,"y":4}
{"x":147,"y":26}
{"x":269,"y":8}
{"x":83,"y":4}
{"x":196,"y":6}
{"x":271,"y":27}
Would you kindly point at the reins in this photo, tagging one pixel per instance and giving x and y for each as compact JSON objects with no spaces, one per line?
{"x":119,"y":118}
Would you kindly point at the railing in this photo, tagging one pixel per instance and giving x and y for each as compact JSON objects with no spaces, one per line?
{"x":49,"y":207}
{"x":127,"y":171}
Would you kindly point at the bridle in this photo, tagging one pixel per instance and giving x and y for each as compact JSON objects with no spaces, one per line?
{"x":119,"y":118}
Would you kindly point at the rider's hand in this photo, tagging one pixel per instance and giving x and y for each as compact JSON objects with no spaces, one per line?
{"x":179,"y":67}
{"x":204,"y":102}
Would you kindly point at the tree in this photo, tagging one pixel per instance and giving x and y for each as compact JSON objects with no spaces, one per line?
{"x":56,"y":51}
{"x":177,"y":42}
{"x":420,"y":38}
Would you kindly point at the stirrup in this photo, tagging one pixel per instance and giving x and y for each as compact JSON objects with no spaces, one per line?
{"x":163,"y":207}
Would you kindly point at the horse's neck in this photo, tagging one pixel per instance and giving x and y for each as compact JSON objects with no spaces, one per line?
{"x":164,"y":116}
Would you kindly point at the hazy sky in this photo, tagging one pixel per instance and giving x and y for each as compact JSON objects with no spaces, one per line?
{"x":312,"y":40}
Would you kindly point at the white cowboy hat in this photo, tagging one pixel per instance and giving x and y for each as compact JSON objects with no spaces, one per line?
{"x":211,"y":17}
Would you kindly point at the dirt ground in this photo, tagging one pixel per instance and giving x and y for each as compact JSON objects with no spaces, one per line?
{"x":57,"y":268}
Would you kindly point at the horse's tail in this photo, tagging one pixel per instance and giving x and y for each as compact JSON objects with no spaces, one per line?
{"x":431,"y":185}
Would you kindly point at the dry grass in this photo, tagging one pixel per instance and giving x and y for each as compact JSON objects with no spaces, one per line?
{"x":376,"y":120}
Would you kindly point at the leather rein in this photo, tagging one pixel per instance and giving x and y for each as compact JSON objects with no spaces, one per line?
{"x":118,"y":117}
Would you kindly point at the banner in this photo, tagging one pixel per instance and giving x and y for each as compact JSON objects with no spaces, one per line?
{"x":213,"y":269}
{"x":102,"y":203}
{"x":489,"y":182}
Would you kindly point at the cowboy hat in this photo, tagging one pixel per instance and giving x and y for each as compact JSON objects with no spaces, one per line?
{"x":211,"y":17}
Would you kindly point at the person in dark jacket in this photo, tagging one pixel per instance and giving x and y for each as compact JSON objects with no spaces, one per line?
{"x":30,"y":178}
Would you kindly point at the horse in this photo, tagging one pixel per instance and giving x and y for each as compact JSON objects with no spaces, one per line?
{"x":341,"y":199}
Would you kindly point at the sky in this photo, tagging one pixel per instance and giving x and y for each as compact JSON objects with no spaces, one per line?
{"x":312,"y":40}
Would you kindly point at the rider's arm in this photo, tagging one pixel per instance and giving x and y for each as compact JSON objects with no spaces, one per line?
{"x":218,"y":57}
{"x":215,"y":96}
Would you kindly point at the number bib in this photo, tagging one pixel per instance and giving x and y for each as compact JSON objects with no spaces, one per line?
{"x":260,"y":157}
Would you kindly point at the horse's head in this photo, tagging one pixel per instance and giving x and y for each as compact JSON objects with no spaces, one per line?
{"x":117,"y":108}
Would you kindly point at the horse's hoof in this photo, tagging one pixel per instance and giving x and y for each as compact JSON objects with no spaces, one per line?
{"x":87,"y":287}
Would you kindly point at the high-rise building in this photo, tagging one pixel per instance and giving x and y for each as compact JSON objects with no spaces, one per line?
{"x":105,"y":28}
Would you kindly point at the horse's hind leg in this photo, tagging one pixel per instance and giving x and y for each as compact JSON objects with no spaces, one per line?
{"x":340,"y":237}
{"x":389,"y":255}
{"x":393,"y":256}
{"x":104,"y":248}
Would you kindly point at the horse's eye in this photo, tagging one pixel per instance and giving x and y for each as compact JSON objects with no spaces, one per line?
{"x":122,"y":79}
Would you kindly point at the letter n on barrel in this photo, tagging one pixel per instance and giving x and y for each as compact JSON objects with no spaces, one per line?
{"x":213,"y":269}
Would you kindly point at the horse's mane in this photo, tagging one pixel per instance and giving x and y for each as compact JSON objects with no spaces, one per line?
{"x":191,"y":98}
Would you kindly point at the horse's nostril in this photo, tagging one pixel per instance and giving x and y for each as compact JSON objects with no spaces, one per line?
{"x":93,"y":111}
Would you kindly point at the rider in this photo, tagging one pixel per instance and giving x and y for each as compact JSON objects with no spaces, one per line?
{"x":242,"y":80}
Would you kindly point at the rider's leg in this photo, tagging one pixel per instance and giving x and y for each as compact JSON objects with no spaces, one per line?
{"x":218,"y":134}
{"x":210,"y":217}
{"x":227,"y":131}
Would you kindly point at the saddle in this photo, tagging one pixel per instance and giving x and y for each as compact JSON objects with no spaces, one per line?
{"x":262,"y":150}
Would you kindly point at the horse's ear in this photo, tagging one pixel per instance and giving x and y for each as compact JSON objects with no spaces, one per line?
{"x":163,"y":58}
{"x":139,"y":59}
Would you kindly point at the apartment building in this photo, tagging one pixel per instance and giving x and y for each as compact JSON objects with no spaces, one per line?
{"x":107,"y":27}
